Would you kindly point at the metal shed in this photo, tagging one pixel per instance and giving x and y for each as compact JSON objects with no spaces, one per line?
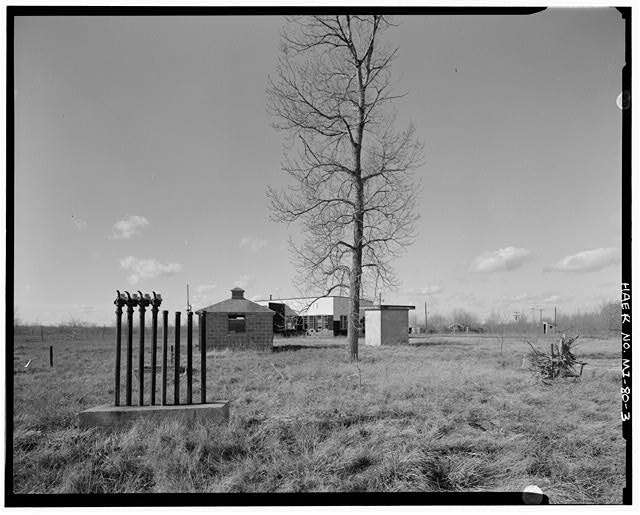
{"x":238,"y":323}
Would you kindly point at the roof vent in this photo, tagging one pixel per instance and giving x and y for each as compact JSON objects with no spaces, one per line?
{"x":237,"y":293}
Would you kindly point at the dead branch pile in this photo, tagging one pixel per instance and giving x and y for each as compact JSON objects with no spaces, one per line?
{"x":560,"y":362}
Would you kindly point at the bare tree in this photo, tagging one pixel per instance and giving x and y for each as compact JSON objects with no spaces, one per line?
{"x":351,"y":188}
{"x":17,"y":321}
{"x":464,"y":317}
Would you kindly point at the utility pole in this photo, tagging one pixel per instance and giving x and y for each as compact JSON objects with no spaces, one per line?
{"x":533,"y":319}
{"x":555,"y":319}
{"x":426,"y":325}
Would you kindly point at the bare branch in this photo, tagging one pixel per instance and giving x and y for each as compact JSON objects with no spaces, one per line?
{"x":351,"y":187}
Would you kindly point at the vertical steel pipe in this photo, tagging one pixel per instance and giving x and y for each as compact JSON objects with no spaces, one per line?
{"x":141,"y":309}
{"x":154,"y":346}
{"x":116,"y":391}
{"x":203,"y":357}
{"x":165,"y":335}
{"x":176,"y":365}
{"x":189,"y":356}
{"x":129,"y":351}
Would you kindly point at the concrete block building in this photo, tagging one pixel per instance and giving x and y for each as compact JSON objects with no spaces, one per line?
{"x":238,"y":323}
{"x":387,"y":325}
{"x":326,"y":315}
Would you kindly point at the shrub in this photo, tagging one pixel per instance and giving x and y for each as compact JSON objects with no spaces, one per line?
{"x":560,"y":362}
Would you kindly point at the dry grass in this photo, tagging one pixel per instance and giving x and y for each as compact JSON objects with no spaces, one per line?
{"x":442,"y":414}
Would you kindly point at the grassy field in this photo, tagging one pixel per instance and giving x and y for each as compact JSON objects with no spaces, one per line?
{"x":441,"y":414}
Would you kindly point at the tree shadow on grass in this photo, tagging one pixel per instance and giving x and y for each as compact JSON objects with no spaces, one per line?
{"x":292,"y":347}
{"x":435,"y":343}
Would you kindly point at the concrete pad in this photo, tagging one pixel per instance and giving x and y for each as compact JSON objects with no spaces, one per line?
{"x":113,"y":417}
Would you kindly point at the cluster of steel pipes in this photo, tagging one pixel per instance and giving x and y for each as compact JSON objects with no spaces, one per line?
{"x":130,"y":301}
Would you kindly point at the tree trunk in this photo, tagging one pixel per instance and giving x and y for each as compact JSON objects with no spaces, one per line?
{"x":355,"y":278}
{"x":353,"y":330}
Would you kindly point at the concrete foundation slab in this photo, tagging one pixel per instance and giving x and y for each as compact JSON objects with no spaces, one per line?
{"x":113,"y":417}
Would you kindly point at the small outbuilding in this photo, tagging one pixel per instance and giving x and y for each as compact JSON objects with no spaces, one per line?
{"x":387,"y":325}
{"x":238,"y":323}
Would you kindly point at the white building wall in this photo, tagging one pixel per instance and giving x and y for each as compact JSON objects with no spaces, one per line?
{"x":373,"y":334}
{"x":323,"y":306}
{"x":334,"y":306}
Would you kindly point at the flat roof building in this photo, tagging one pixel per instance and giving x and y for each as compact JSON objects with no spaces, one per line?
{"x":319,"y":315}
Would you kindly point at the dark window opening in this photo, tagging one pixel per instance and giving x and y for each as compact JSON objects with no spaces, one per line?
{"x":237,"y":323}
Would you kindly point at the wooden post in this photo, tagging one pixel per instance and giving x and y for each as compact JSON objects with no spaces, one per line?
{"x":165,"y":331}
{"x":50,"y":355}
{"x":203,"y":356}
{"x":189,"y":356}
{"x":176,"y":365}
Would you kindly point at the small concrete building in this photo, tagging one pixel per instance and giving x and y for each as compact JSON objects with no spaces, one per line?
{"x":387,"y":325}
{"x":238,"y":323}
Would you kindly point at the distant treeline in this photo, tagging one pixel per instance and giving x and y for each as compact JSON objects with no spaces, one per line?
{"x":606,"y":319}
{"x":88,"y":331}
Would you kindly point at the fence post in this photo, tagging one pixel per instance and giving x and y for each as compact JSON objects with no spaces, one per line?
{"x":155,"y":307}
{"x":202,"y":326}
{"x":176,"y":365}
{"x":165,"y":335}
{"x":189,"y":355}
{"x":119,"y":302}
{"x":50,"y":355}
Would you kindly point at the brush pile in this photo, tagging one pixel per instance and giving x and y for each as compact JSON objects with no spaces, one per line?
{"x":560,"y":362}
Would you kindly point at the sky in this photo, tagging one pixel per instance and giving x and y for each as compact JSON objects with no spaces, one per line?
{"x":143,"y":150}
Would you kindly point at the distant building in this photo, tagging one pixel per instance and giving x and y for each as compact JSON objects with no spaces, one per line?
{"x":325,"y":315}
{"x":238,"y":323}
{"x":285,"y":321}
{"x":458,"y":328}
{"x":462,"y":328}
